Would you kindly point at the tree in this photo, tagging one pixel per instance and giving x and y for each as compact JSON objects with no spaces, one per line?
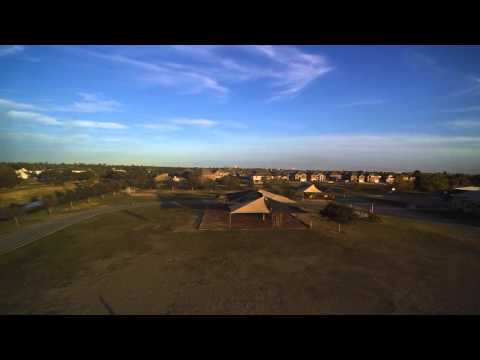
{"x":49,"y":201}
{"x":8,"y":177}
{"x":339,"y":213}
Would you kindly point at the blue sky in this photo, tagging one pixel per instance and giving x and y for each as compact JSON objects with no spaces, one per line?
{"x":327,"y":107}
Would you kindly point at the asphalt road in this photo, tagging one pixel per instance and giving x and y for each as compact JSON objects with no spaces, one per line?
{"x":35,"y":232}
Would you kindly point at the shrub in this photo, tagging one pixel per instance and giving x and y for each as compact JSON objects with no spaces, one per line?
{"x":339,"y":213}
{"x":374,"y":218}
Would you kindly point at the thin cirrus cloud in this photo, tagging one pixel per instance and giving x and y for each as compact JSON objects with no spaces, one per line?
{"x":10,"y":104}
{"x":91,"y":103}
{"x":11,"y":50}
{"x":52,"y":121}
{"x":180,"y":123}
{"x":195,"y":122}
{"x":464,"y":124}
{"x":33,"y":117}
{"x":164,"y":73}
{"x":287,"y":69}
{"x":362,"y":103}
{"x":471,"y":90}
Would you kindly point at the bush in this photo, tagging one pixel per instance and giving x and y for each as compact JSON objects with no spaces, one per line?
{"x":8,"y":177}
{"x":374,"y":218}
{"x":339,"y":213}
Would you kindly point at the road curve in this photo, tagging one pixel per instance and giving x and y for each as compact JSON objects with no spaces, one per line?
{"x":31,"y":233}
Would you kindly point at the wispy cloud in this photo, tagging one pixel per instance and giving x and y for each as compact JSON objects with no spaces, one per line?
{"x":91,"y":103}
{"x":362,"y":103}
{"x":52,"y":121}
{"x":33,"y":117}
{"x":472,"y":89}
{"x":421,"y":61}
{"x":462,"y":109}
{"x":11,"y":49}
{"x":196,"y":122}
{"x":464,"y":124}
{"x":96,"y":124}
{"x":46,"y":138}
{"x":297,"y":69}
{"x":162,"y":127}
{"x":10,"y":104}
{"x":208,"y":68}
{"x":167,"y":74}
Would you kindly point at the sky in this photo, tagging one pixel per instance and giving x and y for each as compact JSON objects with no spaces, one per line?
{"x":390,"y":108}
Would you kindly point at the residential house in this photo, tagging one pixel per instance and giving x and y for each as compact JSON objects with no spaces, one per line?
{"x":354,"y":178}
{"x":318,"y":177}
{"x":361,"y":178}
{"x":301,"y":176}
{"x":335,"y":176}
{"x":373,"y":178}
{"x":390,"y":179}
{"x":213,"y":175}
{"x":22,"y":173}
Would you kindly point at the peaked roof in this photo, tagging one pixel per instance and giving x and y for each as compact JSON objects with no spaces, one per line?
{"x":276,"y":197}
{"x":308,"y":188}
{"x":259,"y":202}
{"x":257,"y":206}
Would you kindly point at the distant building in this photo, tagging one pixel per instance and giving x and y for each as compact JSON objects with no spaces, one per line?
{"x":178,"y":178}
{"x":119,"y":170}
{"x":213,"y":175}
{"x":335,"y":176}
{"x":390,"y":179}
{"x":361,"y":178}
{"x":22,"y":173}
{"x":318,"y":177}
{"x":301,"y":176}
{"x":78,"y":171}
{"x":162,"y":177}
{"x":373,"y":178}
{"x":408,"y":178}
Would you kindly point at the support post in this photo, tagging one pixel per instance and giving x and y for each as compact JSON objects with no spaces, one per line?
{"x":16,"y":222}
{"x":339,"y":228}
{"x":230,"y":221}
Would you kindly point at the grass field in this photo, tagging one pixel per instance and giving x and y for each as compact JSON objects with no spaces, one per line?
{"x":154,"y":261}
{"x":8,"y":226}
{"x":24,"y":192}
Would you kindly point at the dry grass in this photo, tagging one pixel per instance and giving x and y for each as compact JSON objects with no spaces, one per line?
{"x":125,"y":264}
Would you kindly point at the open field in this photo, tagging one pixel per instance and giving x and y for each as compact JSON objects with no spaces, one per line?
{"x":154,"y":261}
{"x":9,"y":226}
{"x":23,"y":193}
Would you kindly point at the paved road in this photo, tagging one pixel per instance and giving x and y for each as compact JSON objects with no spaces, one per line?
{"x":34,"y":232}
